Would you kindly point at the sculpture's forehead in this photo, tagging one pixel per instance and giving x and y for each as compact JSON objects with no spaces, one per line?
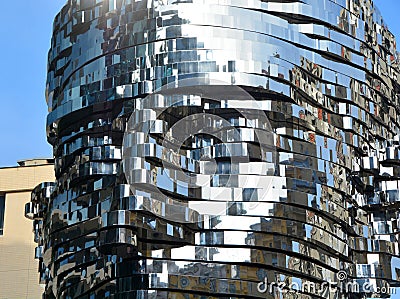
{"x":195,"y":37}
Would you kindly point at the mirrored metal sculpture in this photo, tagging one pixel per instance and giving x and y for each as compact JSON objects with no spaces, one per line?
{"x":206,"y":147}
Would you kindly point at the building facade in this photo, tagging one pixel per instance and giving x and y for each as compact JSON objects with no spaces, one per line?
{"x":18,"y":273}
{"x":210,"y":148}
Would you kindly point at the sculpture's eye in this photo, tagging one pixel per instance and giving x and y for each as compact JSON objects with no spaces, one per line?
{"x":200,"y":150}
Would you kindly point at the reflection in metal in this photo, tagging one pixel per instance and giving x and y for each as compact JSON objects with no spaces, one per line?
{"x":326,"y":75}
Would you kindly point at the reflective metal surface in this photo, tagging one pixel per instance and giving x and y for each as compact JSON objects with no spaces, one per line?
{"x":324,"y":73}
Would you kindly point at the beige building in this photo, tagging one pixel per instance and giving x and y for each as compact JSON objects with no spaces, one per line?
{"x":19,"y":275}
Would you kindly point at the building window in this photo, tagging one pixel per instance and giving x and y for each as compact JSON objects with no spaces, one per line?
{"x":2,"y":210}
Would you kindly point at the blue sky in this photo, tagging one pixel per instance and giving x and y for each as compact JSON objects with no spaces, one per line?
{"x":25,"y":34}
